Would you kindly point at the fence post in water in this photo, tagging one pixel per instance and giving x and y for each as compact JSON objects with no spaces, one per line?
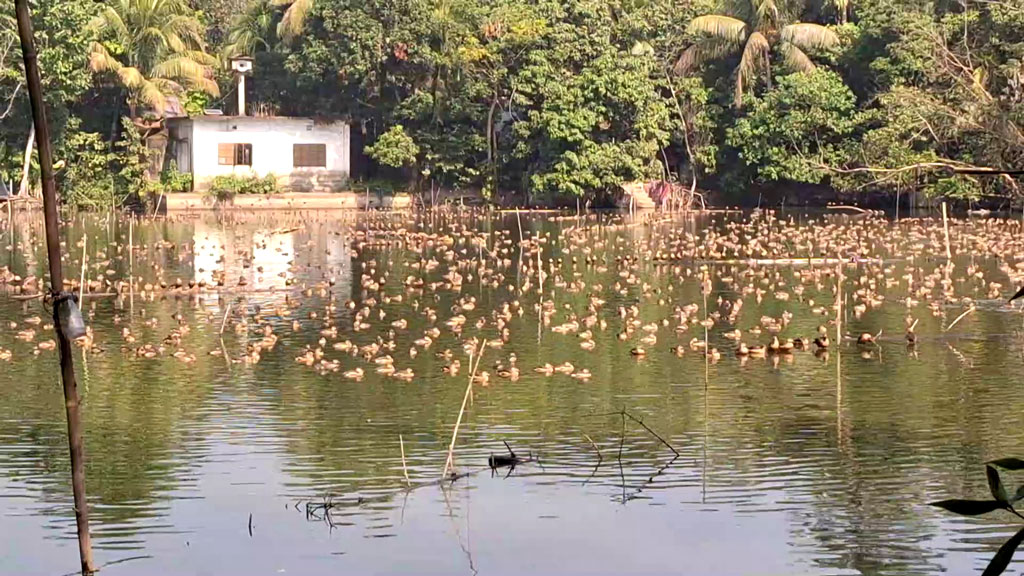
{"x":67,"y":368}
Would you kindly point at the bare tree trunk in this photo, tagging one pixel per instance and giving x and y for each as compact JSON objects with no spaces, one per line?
{"x":24,"y":190}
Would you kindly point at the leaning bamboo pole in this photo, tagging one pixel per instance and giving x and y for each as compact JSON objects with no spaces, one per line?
{"x":67,"y":367}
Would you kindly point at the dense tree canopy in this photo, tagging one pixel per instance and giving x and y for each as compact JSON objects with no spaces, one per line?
{"x":561,"y":99}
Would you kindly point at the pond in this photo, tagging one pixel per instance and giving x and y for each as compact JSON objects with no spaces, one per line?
{"x":229,"y":430}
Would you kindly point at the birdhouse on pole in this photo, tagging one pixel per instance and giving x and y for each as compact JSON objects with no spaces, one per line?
{"x":242,"y":65}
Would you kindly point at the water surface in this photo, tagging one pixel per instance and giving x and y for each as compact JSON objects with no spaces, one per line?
{"x":796,"y":464}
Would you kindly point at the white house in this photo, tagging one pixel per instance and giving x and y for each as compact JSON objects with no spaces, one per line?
{"x":306,"y":155}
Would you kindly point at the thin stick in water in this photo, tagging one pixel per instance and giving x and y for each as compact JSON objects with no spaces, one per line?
{"x":596,"y":449}
{"x":225,"y":320}
{"x":465,"y":398}
{"x":652,"y":432}
{"x":959,"y":318}
{"x":405,"y":470}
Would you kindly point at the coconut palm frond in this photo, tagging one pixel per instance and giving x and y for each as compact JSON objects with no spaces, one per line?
{"x":251,"y":30}
{"x":767,"y":14}
{"x":200,"y":57}
{"x":294,"y":19}
{"x":187,"y":29}
{"x":796,"y":58}
{"x":188,"y":72}
{"x":100,"y":59}
{"x":809,"y":36}
{"x":722,"y":27}
{"x":701,"y":52}
{"x":149,"y":93}
{"x":157,"y":38}
{"x":131,"y":78}
{"x":168,"y":86}
{"x":108,"y":21}
{"x":754,"y":53}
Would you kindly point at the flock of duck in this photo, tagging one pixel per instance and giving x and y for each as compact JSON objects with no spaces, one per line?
{"x":371,"y":294}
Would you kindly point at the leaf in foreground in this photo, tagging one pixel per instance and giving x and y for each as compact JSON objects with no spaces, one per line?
{"x":1002,"y":558}
{"x":1009,"y":463}
{"x":969,"y":507}
{"x":995,"y":485}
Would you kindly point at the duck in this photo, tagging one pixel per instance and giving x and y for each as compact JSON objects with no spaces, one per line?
{"x":581,"y":375}
{"x":865,"y":339}
{"x":822,"y":341}
{"x":355,"y":374}
{"x":638,"y":351}
{"x":758,"y":351}
{"x":546,"y":369}
{"x":565,"y":368}
{"x":404,"y":374}
{"x":453,"y":368}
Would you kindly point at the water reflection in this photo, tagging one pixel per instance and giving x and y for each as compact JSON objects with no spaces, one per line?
{"x":808,"y":464}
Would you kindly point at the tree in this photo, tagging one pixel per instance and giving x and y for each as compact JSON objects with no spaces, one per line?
{"x":754,"y":28}
{"x":947,"y":94}
{"x":155,"y":48}
{"x":589,"y":113}
{"x":798,"y":129}
{"x":62,"y":43}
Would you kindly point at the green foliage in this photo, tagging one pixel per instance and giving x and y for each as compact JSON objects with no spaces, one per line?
{"x":394,"y":148}
{"x":592,"y":115}
{"x":798,"y":129}
{"x":132,"y":161}
{"x":226,"y":187}
{"x":87,"y":181}
{"x":173,"y":180}
{"x":195,"y":102}
{"x":62,"y":42}
{"x":96,"y":178}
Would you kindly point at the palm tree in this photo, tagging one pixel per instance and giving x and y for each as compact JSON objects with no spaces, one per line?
{"x":294,"y":18}
{"x":155,"y":48}
{"x":251,"y":31}
{"x":754,"y":28}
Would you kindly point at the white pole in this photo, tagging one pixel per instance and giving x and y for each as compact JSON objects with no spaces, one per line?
{"x":241,"y":94}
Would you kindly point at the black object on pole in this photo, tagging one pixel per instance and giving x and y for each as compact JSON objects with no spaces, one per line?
{"x":62,"y":301}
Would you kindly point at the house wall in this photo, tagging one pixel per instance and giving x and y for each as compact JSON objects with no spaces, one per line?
{"x":271,"y":140}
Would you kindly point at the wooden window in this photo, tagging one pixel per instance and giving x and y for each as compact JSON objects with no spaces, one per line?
{"x":234,"y":154}
{"x":309,"y":155}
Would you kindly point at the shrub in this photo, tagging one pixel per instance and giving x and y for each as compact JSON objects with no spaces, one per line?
{"x":174,"y":180}
{"x":228,"y":186}
{"x":394,"y":148}
{"x":87,"y":180}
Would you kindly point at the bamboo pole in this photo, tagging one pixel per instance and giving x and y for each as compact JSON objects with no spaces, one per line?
{"x":81,"y":282}
{"x":67,"y":367}
{"x":945,"y":228}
